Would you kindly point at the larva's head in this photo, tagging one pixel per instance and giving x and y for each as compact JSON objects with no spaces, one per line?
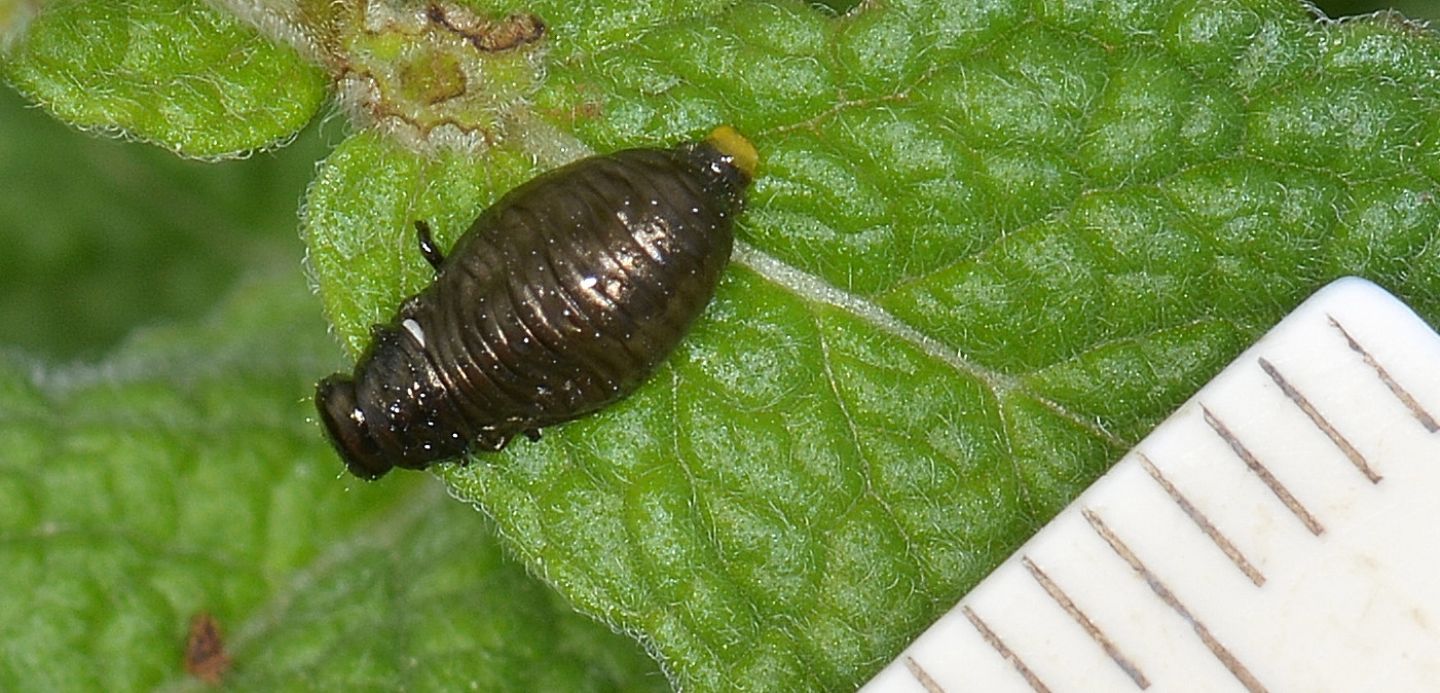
{"x":348,"y":430}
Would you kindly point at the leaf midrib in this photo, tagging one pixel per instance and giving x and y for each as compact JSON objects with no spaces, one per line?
{"x":814,"y":289}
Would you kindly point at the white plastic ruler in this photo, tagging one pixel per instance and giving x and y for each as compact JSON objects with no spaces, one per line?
{"x":1279,"y":532}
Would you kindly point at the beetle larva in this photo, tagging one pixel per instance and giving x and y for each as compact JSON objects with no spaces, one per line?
{"x":560,"y":299}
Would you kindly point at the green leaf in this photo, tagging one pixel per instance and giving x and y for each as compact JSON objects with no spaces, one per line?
{"x":177,"y":73}
{"x":990,"y":246}
{"x":184,"y":474}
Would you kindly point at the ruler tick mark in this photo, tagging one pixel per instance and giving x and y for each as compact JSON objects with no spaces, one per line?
{"x":1320,"y":421}
{"x":1231,"y":663}
{"x":1255,"y":466}
{"x":1209,"y":528}
{"x":999,"y":646}
{"x":1093,"y":630}
{"x":922,"y":676}
{"x":1396,"y":389}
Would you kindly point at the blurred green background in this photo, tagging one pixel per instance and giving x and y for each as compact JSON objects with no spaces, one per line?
{"x":101,"y":236}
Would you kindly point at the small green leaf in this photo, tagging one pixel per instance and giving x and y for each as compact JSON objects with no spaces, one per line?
{"x":991,"y":245}
{"x":177,"y":73}
{"x":183,"y":474}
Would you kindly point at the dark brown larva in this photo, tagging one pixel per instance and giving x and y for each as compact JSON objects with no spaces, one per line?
{"x":560,"y":299}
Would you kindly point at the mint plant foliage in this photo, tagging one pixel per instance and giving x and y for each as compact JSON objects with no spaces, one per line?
{"x":173,"y":72}
{"x":183,"y":474}
{"x":991,"y":246}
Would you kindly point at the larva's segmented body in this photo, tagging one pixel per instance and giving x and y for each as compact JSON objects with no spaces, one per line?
{"x":560,"y":299}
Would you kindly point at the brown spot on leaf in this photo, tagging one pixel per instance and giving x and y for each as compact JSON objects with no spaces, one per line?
{"x":489,"y":35}
{"x":205,"y":657}
{"x":435,"y":74}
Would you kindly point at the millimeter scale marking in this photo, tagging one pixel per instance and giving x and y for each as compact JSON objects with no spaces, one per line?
{"x":1279,"y":532}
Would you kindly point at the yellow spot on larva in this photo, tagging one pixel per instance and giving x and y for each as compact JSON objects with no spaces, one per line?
{"x":734,"y":145}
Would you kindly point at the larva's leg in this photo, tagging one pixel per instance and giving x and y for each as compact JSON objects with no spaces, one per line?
{"x":428,"y":249}
{"x":491,"y":441}
{"x":533,"y":434}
